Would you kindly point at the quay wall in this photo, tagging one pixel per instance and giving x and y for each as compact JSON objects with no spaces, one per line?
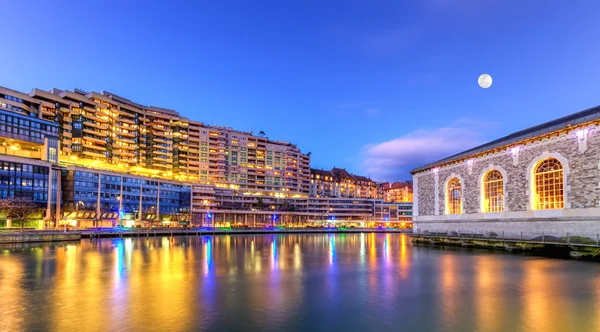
{"x":38,"y":237}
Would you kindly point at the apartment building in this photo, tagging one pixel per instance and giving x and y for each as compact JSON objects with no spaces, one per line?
{"x":338,"y":182}
{"x":226,"y":207}
{"x":395,"y":192}
{"x":28,"y":156}
{"x":98,"y":159}
{"x":107,"y":131}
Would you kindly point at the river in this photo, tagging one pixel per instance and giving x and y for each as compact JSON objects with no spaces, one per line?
{"x":313,"y":282}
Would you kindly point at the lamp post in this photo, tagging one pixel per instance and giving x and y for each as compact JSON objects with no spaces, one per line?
{"x":120,"y":211}
{"x":207,"y":207}
{"x":76,"y":214}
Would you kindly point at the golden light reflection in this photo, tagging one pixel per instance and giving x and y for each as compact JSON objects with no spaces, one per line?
{"x":188,"y":282}
{"x":404,"y":262}
{"x":488,"y":298}
{"x":11,"y":274}
{"x":450,"y":290}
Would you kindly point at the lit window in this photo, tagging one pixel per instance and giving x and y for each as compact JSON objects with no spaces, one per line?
{"x":549,"y":186}
{"x":454,"y":197}
{"x":493,"y":192}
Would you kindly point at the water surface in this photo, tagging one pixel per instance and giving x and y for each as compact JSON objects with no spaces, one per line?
{"x":313,"y":282}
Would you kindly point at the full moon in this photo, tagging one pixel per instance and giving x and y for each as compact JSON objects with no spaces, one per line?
{"x":485,"y":81}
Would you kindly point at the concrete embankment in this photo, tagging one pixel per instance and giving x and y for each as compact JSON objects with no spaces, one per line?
{"x":27,"y":237}
{"x":192,"y":231}
{"x":550,"y":246}
{"x":53,"y":236}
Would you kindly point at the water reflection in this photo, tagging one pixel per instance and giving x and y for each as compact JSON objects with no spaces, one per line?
{"x":348,"y":282}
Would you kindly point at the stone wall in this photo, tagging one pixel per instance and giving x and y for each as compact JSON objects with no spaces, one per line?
{"x":580,"y":156}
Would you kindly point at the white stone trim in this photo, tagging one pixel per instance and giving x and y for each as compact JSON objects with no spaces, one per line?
{"x":415,"y":196}
{"x":436,"y":193}
{"x":463,"y":189}
{"x":529,"y":177}
{"x":502,"y":171}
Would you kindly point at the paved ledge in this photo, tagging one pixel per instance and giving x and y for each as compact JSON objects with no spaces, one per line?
{"x":54,"y":236}
{"x":193,"y":231}
{"x":33,"y":236}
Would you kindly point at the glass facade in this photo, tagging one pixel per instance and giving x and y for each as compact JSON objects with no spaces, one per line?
{"x":26,"y":128}
{"x":85,"y":189}
{"x":21,"y":180}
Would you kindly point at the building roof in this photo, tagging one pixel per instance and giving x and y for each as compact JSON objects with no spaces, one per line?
{"x":565,"y":122}
{"x":321,"y":172}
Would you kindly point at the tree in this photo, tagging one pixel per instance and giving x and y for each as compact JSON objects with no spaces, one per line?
{"x":18,"y":209}
{"x":261,"y":133}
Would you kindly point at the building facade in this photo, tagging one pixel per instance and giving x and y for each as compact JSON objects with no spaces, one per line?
{"x":544,"y":179}
{"x":100,"y":160}
{"x":106,"y":131}
{"x":338,"y":182}
{"x":97,"y":198}
{"x":395,"y":192}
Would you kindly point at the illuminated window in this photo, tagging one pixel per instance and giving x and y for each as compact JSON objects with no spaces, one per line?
{"x":493,"y":192}
{"x":549,"y":186}
{"x":454,"y":196}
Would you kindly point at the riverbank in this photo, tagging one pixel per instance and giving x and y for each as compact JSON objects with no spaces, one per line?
{"x":51,"y":236}
{"x":575,"y":247}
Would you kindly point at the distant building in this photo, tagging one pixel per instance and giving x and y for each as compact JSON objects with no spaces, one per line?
{"x":544,"y":179}
{"x":338,"y":182}
{"x":396,"y":192}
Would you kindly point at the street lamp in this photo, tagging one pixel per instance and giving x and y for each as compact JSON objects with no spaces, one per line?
{"x":207,"y":207}
{"x":120,"y":211}
{"x":76,"y":214}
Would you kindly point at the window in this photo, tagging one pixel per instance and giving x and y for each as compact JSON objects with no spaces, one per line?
{"x":493,"y":192}
{"x":549,"y":185}
{"x":454,"y":197}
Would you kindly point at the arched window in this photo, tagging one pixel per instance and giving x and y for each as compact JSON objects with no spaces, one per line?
{"x":454,"y":196}
{"x":549,"y":185}
{"x":493,"y":192}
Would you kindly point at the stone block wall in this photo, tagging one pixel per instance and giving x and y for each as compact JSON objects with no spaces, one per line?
{"x":581,"y":164}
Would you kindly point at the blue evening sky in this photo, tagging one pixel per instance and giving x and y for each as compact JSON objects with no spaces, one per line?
{"x":376,"y":87}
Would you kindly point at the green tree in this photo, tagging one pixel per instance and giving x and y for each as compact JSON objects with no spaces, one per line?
{"x":18,"y":209}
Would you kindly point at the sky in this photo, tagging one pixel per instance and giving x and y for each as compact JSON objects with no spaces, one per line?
{"x":376,"y":87}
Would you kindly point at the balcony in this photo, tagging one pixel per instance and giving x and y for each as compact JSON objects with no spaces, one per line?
{"x":160,"y":153}
{"x":125,"y":140}
{"x":94,"y":140}
{"x":94,"y":132}
{"x":160,"y":140}
{"x":93,"y":117}
{"x":93,"y":154}
{"x":95,"y":147}
{"x":157,"y":146}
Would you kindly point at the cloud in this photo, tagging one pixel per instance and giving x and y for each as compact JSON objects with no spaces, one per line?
{"x":394,"y":159}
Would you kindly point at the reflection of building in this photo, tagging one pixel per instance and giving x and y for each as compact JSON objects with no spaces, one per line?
{"x":338,"y":182}
{"x":541,"y":179}
{"x":396,"y":191}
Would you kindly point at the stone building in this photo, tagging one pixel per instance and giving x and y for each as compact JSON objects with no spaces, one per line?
{"x":541,"y":180}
